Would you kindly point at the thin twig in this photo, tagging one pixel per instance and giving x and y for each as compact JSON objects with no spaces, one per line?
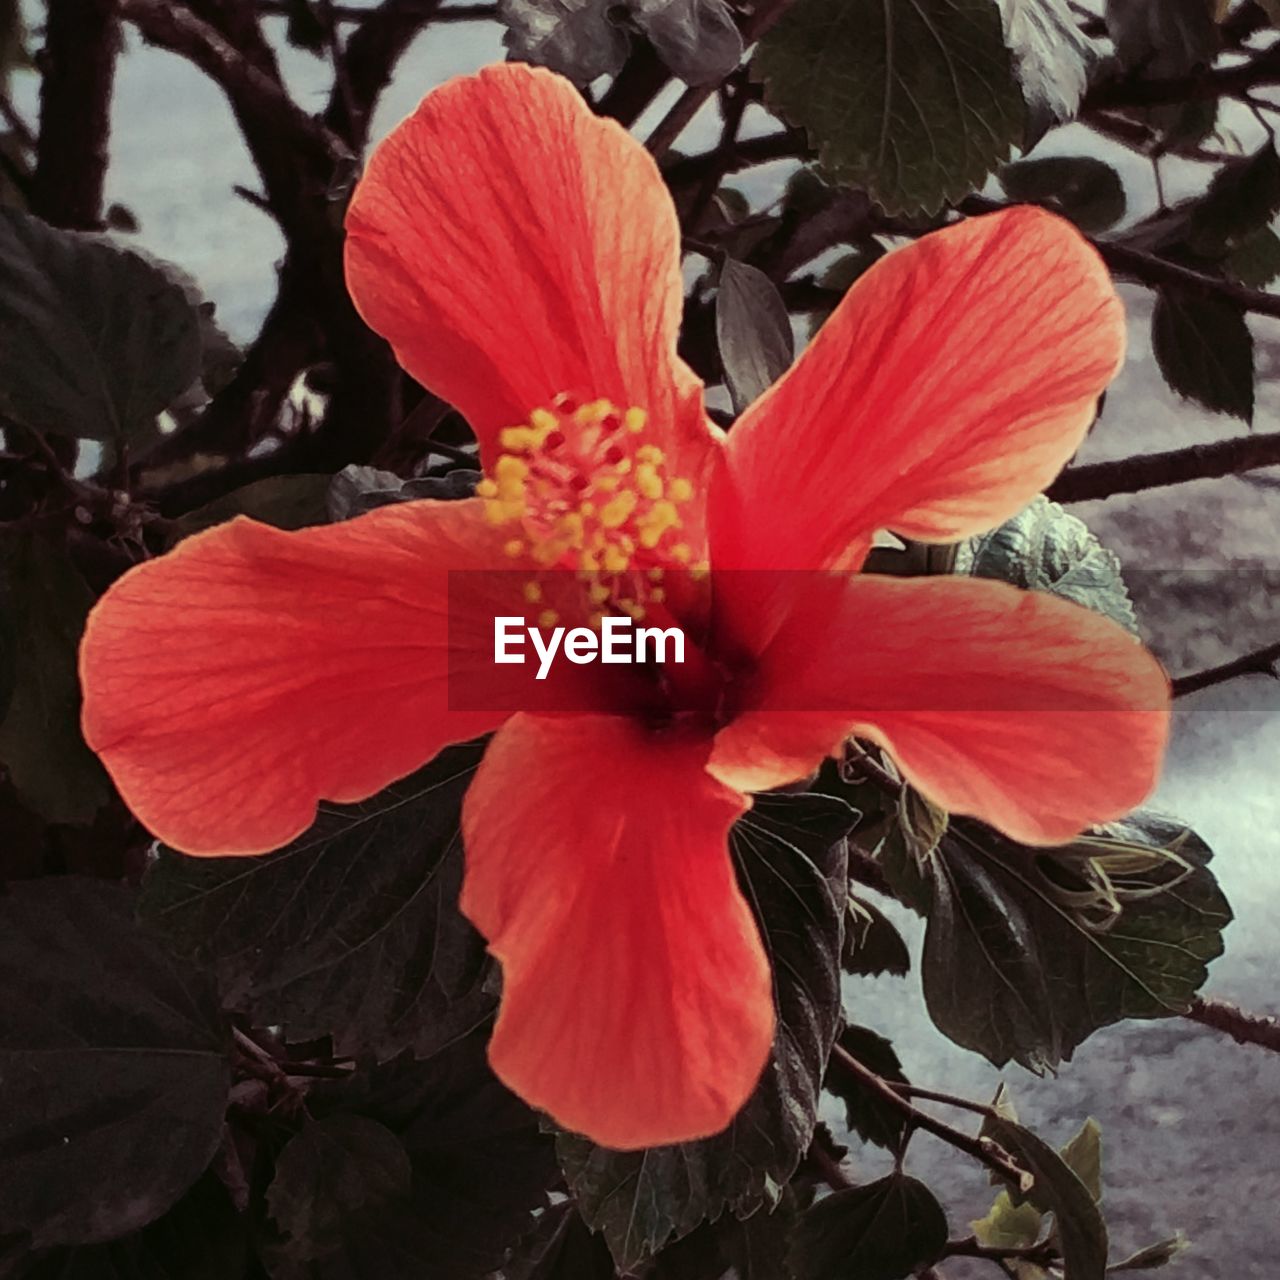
{"x":173,"y":27}
{"x":1244,"y":1028}
{"x":1174,"y":466}
{"x":1261,"y":662}
{"x":981,"y":1149}
{"x":1042,"y":1254}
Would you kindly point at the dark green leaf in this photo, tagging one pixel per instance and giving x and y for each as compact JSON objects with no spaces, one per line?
{"x":1204,"y":349}
{"x":201,"y":1238}
{"x":1242,"y":199}
{"x":1043,"y":548}
{"x":866,"y":1113}
{"x":871,"y":944}
{"x":915,"y":103}
{"x":561,"y":1247}
{"x":1255,"y":261}
{"x":882,"y":1231}
{"x":583,"y":39}
{"x":1051,"y":58}
{"x":1084,"y":189}
{"x":574,"y":37}
{"x":288,"y":502}
{"x":908,"y":846}
{"x":330,"y":1171}
{"x":385,"y":966}
{"x":114,"y":1067}
{"x":1029,"y":951}
{"x":1166,"y":38}
{"x":757,"y":1248}
{"x":481,"y":1167}
{"x":1154,"y":1256}
{"x":697,"y":39}
{"x":790,"y":855}
{"x":355,"y":490}
{"x":1081,"y":1231}
{"x":45,"y":602}
{"x":94,"y":341}
{"x":753,"y":332}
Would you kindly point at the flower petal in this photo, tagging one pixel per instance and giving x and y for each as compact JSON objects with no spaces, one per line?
{"x":249,"y":673}
{"x":1016,"y":707}
{"x":950,"y":385}
{"x":637,"y":1005}
{"x":511,"y":245}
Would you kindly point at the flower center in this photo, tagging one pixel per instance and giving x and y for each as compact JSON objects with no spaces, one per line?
{"x":582,"y":489}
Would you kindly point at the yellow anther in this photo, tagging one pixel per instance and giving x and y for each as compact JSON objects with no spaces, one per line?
{"x":615,"y":560}
{"x":548,"y":618}
{"x":656,"y":521}
{"x":571,"y":526}
{"x":547,"y":553}
{"x":486,"y":489}
{"x":597,"y":593}
{"x":648,"y":482}
{"x":591,"y":414}
{"x":532,"y":592}
{"x":681,"y":553}
{"x":618,"y":509}
{"x":518,"y":439}
{"x":589,"y":562}
{"x":700,"y":572}
{"x":680,"y":490}
{"x":635,"y":420}
{"x":513,"y":548}
{"x":655,"y":575}
{"x":607,"y":484}
{"x":650,"y":453}
{"x":543,"y":421}
{"x":657,"y":595}
{"x":632,"y":609}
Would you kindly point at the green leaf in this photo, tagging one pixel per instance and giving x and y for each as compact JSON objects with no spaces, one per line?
{"x":866,"y":1113}
{"x":1029,"y":951}
{"x":916,"y":103}
{"x":1170,"y":38}
{"x":331,"y":1170}
{"x":753,"y":332}
{"x":1154,"y":1256}
{"x":882,"y":1231}
{"x":480,"y":1168}
{"x":94,"y":341}
{"x":1009,"y":1225}
{"x":288,"y":502}
{"x":114,"y":1066}
{"x":1204,"y":349}
{"x":1086,"y":190}
{"x":1242,"y":199}
{"x":1255,"y":261}
{"x":1082,"y":1233}
{"x":790,"y":855}
{"x":1043,"y":548}
{"x":1083,"y":1156}
{"x":872,"y":945}
{"x":392,"y":966}
{"x":45,"y":602}
{"x":1051,"y":58}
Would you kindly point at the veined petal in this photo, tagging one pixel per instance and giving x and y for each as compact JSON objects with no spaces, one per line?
{"x":637,"y":1005}
{"x":1015,"y":707}
{"x":949,"y":386}
{"x":250,"y":673}
{"x":511,"y":246}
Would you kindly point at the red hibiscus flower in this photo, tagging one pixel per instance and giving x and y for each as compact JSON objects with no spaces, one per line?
{"x":523,"y":258}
